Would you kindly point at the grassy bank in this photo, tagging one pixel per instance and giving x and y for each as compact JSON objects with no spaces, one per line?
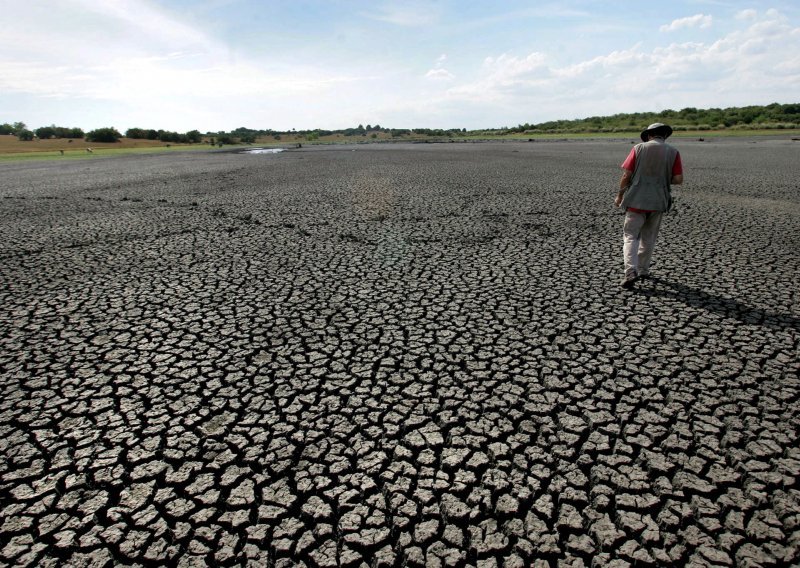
{"x":12,"y":149}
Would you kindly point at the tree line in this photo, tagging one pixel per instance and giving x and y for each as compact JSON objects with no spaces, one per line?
{"x":769,"y":117}
{"x":44,"y":132}
{"x":108,"y":134}
{"x":772,"y":116}
{"x":191,"y":137}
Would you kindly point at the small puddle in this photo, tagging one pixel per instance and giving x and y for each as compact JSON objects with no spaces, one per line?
{"x":263,"y":151}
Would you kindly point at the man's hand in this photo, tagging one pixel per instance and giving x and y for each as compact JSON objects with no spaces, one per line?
{"x":624,"y":182}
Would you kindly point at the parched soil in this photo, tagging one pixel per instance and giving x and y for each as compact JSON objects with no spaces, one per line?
{"x":406,"y":355}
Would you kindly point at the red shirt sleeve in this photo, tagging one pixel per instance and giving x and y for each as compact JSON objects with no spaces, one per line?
{"x":677,"y":167}
{"x":630,"y":162}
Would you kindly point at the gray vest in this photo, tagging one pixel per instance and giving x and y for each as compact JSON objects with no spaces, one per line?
{"x":652,"y":174}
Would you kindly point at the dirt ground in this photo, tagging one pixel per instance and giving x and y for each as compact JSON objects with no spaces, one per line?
{"x":406,"y":355}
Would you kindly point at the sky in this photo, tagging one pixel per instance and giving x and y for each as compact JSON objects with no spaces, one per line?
{"x":215,"y":65}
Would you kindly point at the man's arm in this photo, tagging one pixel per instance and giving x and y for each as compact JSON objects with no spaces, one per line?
{"x":677,"y":170}
{"x":624,"y":183}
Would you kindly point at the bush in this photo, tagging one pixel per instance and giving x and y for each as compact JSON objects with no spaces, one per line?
{"x":15,"y":128}
{"x":103,"y":135}
{"x":46,"y":132}
{"x":25,"y":135}
{"x":53,"y":131}
{"x":136,"y":133}
{"x":167,"y":136}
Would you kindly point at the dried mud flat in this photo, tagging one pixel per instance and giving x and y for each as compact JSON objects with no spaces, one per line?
{"x":398,"y":355}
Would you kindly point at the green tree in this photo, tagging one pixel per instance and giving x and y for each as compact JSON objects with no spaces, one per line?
{"x":136,"y":133}
{"x":103,"y":135}
{"x":46,"y":132}
{"x":167,"y":136}
{"x":53,"y":131}
{"x":15,"y":128}
{"x":25,"y":135}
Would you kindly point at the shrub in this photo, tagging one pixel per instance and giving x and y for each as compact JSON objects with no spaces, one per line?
{"x":53,"y":131}
{"x":103,"y":135}
{"x":136,"y":133}
{"x":25,"y":135}
{"x":46,"y":132}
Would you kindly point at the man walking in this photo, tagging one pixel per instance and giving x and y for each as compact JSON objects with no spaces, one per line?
{"x":644,"y":191}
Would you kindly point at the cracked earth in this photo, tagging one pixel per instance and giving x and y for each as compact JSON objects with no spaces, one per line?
{"x":405,"y":355}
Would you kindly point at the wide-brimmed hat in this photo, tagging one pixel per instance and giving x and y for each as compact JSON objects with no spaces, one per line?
{"x":657,"y":128}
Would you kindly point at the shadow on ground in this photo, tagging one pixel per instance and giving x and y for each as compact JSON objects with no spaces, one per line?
{"x":728,"y":307}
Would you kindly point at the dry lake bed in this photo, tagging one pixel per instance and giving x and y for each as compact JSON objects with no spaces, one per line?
{"x":398,"y":355}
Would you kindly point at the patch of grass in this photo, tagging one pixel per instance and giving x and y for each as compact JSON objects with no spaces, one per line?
{"x":727,"y":133}
{"x":98,"y":151}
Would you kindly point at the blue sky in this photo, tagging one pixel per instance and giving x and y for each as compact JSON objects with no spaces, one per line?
{"x":282,"y":64}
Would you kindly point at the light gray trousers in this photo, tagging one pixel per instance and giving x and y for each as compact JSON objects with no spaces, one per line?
{"x":639,"y":235}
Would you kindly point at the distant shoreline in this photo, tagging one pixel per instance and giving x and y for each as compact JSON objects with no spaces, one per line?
{"x":13,"y":150}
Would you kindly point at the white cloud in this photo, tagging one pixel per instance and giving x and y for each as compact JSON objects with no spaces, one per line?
{"x":406,"y":14}
{"x":743,"y":67}
{"x":696,"y":21}
{"x":163,"y":61}
{"x":143,"y":65}
{"x":439,"y":74}
{"x":747,"y":15}
{"x":147,"y":20}
{"x":507,"y":69}
{"x":506,"y":77}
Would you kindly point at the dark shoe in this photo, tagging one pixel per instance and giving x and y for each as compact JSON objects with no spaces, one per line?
{"x":628,"y":282}
{"x":645,"y":277}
